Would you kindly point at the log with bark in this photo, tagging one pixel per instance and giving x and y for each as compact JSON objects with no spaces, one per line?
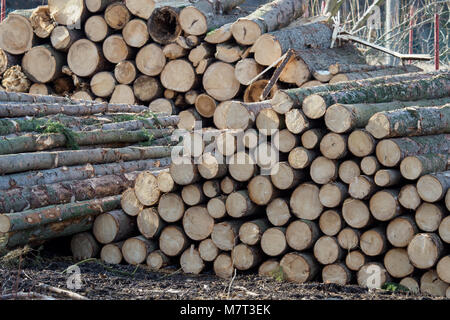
{"x":373,"y":74}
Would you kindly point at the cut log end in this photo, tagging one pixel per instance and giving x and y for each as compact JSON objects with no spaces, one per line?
{"x":245,"y":31}
{"x":163,"y":25}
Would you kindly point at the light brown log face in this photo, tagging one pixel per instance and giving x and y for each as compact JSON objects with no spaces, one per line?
{"x":355,"y":260}
{"x":239,"y":204}
{"x":208,"y":250}
{"x":278,"y":212}
{"x":117,"y":15}
{"x":130,"y":203}
{"x":361,"y":143}
{"x":384,"y":205}
{"x":42,"y":64}
{"x":173,"y":241}
{"x":327,"y":250}
{"x":178,"y":75}
{"x":220,"y":82}
{"x":273,"y":241}
{"x":443,"y":269}
{"x":444,"y":229}
{"x":334,"y":146}
{"x":387,"y":177}
{"x":216,"y":207}
{"x":165,"y":182}
{"x":348,"y":171}
{"x":157,"y":260}
{"x":246,"y":257}
{"x":433,"y":187}
{"x":336,"y":273}
{"x":302,"y":234}
{"x":411,"y":283}
{"x":323,"y":170}
{"x":261,"y":190}
{"x":305,"y":203}
{"x":333,"y":194}
{"x":111,"y":253}
{"x":205,"y":105}
{"x":171,"y":207}
{"x":146,"y":188}
{"x":191,"y":262}
{"x":197,"y":223}
{"x":211,"y":188}
{"x":193,"y":194}
{"x":356,"y":213}
{"x":431,"y":284}
{"x":223,"y":266}
{"x":225,"y":235}
{"x":135,"y":250}
{"x":424,"y":250}
{"x":84,"y":58}
{"x":115,"y":49}
{"x":373,"y":242}
{"x":285,"y":141}
{"x":251,"y":232}
{"x":150,"y":60}
{"x":84,"y":246}
{"x":397,"y":263}
{"x":429,"y":216}
{"x":246,"y":70}
{"x":269,"y":268}
{"x":330,"y":222}
{"x":113,"y":226}
{"x":184,"y":173}
{"x":348,"y":238}
{"x":409,"y":197}
{"x":299,"y":267}
{"x":400,"y":231}
{"x":372,"y":275}
{"x":362,"y":187}
{"x":149,"y":223}
{"x":296,"y":121}
{"x":369,"y":165}
{"x":135,"y":33}
{"x":141,"y":8}
{"x":103,"y":84}
{"x":300,"y":158}
{"x":16,"y":34}
{"x":242,"y":166}
{"x":96,"y":28}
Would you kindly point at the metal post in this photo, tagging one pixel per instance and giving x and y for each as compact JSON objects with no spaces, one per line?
{"x":3,"y":12}
{"x":411,"y":33}
{"x":436,"y":41}
{"x":392,"y":12}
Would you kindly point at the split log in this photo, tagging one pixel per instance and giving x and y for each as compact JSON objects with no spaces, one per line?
{"x":370,"y":165}
{"x":157,"y":260}
{"x":191,"y":262}
{"x":429,"y":216}
{"x":315,"y":105}
{"x":261,"y":190}
{"x":96,"y":28}
{"x":223,"y":266}
{"x":136,"y":250}
{"x":112,"y":253}
{"x":238,"y":204}
{"x":301,"y":158}
{"x":355,"y":260}
{"x":387,"y":177}
{"x":267,"y":18}
{"x":42,"y":22}
{"x":424,"y":250}
{"x":273,"y":241}
{"x":66,"y":13}
{"x":305,"y":203}
{"x":333,"y":194}
{"x":220,"y":82}
{"x":197,"y":223}
{"x":278,"y":212}
{"x":173,"y":241}
{"x":331,"y":222}
{"x":84,"y":246}
{"x":433,"y":187}
{"x":149,"y":223}
{"x":348,"y":238}
{"x":299,"y":267}
{"x":327,"y":250}
{"x":15,"y":80}
{"x":334,"y":146}
{"x":217,"y":207}
{"x":431,"y":284}
{"x":372,"y":275}
{"x":391,"y":152}
{"x":323,"y":170}
{"x":85,"y":58}
{"x":373,"y":242}
{"x":32,"y":219}
{"x":130,"y":203}
{"x":443,"y":269}
{"x":200,"y":17}
{"x":444,"y":230}
{"x":409,"y":197}
{"x":285,"y":141}
{"x":269,"y":47}
{"x":171,"y":207}
{"x":117,"y":15}
{"x":208,"y":250}
{"x":246,"y":257}
{"x":414,"y":167}
{"x":246,"y":70}
{"x":113,"y":226}
{"x":225,"y":235}
{"x":42,"y":64}
{"x":178,"y":75}
{"x":336,"y":273}
{"x":251,"y":232}
{"x":356,"y":213}
{"x":351,"y":76}
{"x":345,"y":117}
{"x":285,"y":100}
{"x":411,"y":121}
{"x":302,"y":234}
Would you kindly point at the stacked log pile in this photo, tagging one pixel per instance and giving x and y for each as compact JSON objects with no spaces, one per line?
{"x":61,"y":165}
{"x":187,"y":57}
{"x":358,"y":194}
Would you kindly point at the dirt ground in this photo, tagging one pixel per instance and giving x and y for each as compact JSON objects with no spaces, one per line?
{"x":124,"y":282}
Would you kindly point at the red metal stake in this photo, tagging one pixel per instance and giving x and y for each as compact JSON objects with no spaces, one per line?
{"x":3,"y":8}
{"x":411,"y":33}
{"x":436,"y":41}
